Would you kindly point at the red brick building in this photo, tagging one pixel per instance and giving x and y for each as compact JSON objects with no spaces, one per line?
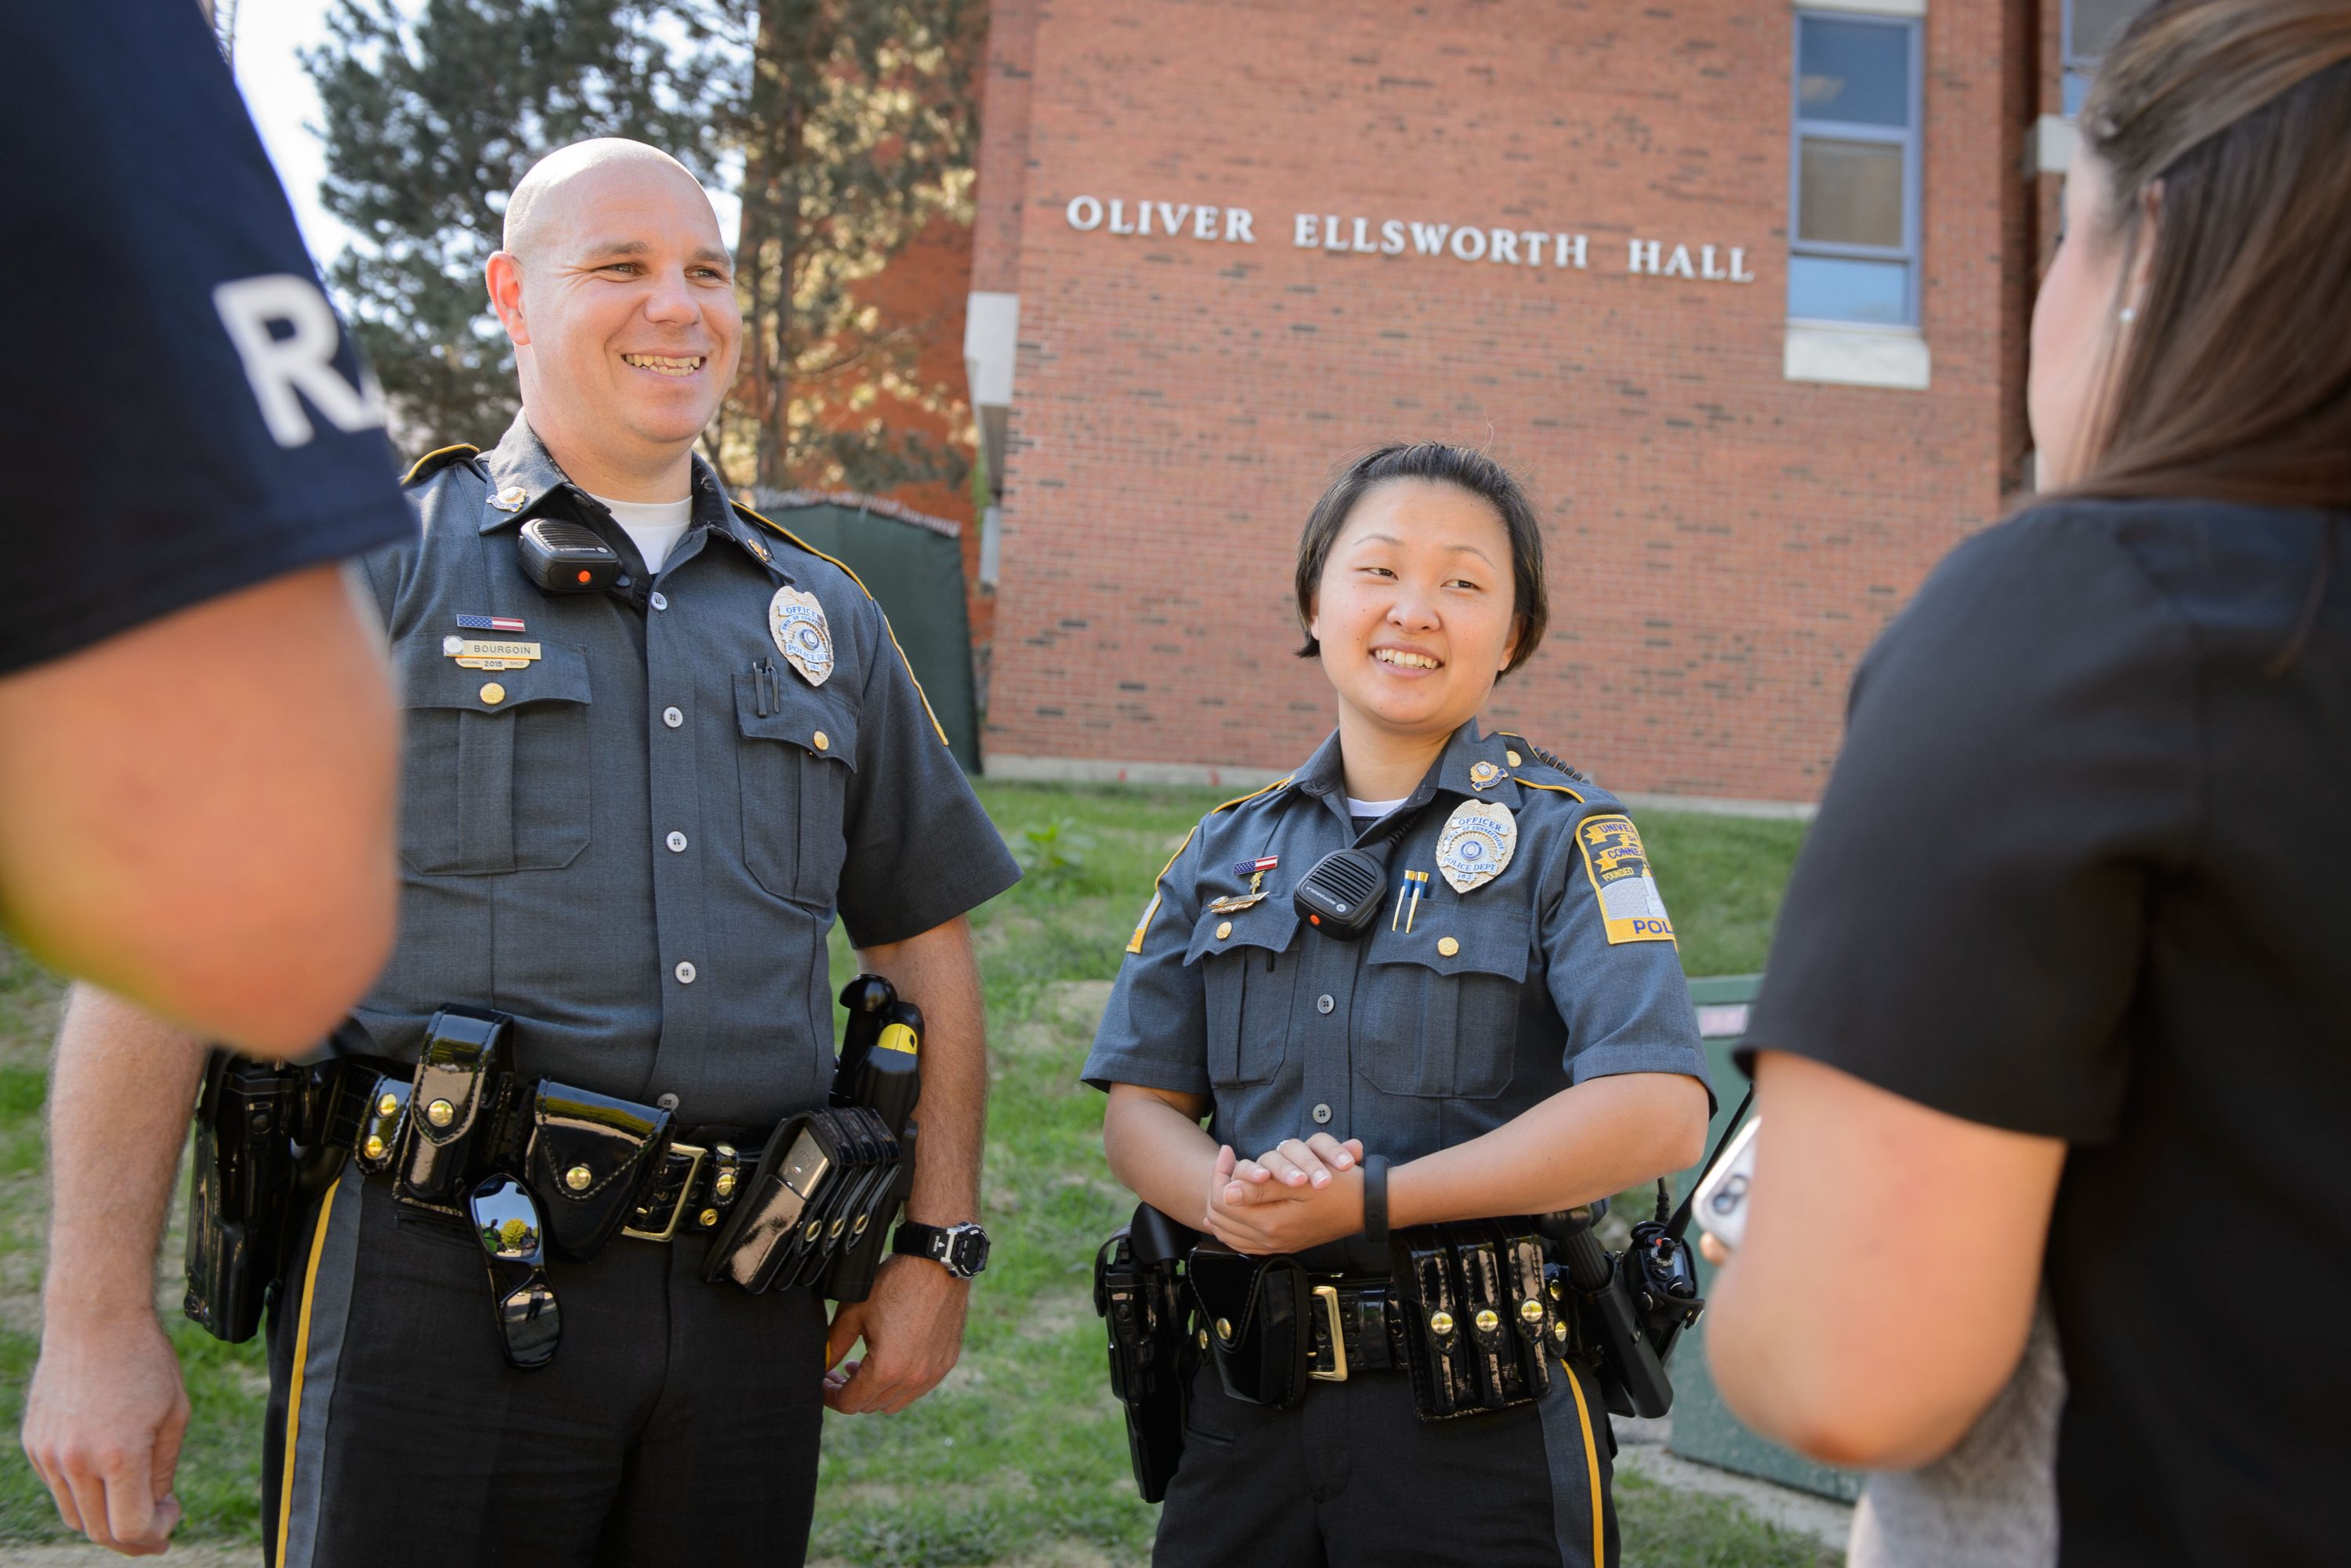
{"x":1740,"y":288}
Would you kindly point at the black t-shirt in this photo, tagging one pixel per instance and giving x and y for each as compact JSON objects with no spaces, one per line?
{"x":186,"y":416}
{"x":2084,"y":871}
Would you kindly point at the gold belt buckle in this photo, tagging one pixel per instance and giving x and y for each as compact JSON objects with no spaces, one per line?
{"x":1329,"y":1296}
{"x":684,"y":1193}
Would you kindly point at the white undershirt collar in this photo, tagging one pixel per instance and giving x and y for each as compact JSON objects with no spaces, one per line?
{"x":654,"y":526}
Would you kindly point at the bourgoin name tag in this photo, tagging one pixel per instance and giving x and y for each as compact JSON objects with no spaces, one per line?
{"x":473,"y":655}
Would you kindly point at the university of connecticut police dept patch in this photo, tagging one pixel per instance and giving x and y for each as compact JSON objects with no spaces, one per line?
{"x":1618,"y":867}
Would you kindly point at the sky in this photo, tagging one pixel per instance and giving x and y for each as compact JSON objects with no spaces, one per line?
{"x":286,"y":108}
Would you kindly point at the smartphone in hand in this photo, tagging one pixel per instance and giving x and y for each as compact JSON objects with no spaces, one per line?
{"x":1720,"y":1208}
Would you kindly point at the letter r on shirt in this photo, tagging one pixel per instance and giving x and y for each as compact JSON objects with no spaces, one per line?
{"x":303,"y":361}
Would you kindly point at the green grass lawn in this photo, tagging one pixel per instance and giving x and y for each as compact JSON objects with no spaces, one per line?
{"x":1021,"y":1455}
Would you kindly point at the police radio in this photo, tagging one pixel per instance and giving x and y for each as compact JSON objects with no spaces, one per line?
{"x":1341,"y":895}
{"x":566,"y":558}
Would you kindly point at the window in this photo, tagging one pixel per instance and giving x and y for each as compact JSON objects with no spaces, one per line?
{"x":2092,"y":28}
{"x":1853,"y":247}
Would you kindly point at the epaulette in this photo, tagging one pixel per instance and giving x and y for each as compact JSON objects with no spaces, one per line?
{"x":433,"y":462}
{"x":1245,"y":799}
{"x":1549,"y":758}
{"x":782,"y":532}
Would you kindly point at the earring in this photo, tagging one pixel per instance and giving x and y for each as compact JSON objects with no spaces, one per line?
{"x":2127,"y":314}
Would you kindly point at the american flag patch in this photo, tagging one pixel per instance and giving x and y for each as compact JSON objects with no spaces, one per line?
{"x":1250,"y":868}
{"x":490,"y":622}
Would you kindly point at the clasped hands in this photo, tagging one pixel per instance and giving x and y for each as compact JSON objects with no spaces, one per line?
{"x":1300,"y":1195}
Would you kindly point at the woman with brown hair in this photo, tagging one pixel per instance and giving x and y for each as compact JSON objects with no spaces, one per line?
{"x":2058,"y":995}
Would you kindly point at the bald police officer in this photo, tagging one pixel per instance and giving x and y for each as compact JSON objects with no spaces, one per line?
{"x":633,"y":808}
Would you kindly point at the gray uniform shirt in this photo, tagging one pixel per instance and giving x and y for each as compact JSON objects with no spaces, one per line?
{"x":1447,"y":1019}
{"x":636,"y":841}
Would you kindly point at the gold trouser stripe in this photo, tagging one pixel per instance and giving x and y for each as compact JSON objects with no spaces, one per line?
{"x":294,"y":1385}
{"x":1590,"y":1467}
{"x":928,"y":711}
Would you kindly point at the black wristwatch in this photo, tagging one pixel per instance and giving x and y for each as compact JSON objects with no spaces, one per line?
{"x":960,"y":1249}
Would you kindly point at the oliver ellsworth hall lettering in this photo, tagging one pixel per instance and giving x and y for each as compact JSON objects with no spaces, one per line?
{"x":1396,"y":237}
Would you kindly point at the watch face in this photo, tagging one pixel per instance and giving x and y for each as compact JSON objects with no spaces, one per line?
{"x":968,"y":1250}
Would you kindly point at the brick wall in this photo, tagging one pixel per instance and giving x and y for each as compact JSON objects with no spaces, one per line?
{"x":1723,"y":543}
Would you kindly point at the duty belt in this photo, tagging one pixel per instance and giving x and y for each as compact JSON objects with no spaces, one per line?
{"x":1354,"y":1328}
{"x":689,"y":1189}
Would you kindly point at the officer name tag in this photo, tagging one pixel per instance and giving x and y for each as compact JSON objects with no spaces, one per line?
{"x":1618,"y":866}
{"x":474,"y":656}
{"x":796,"y":621}
{"x":1477,"y":844}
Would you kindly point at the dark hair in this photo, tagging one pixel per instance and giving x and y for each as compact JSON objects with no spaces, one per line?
{"x":2235,"y":379}
{"x":1463,"y":469}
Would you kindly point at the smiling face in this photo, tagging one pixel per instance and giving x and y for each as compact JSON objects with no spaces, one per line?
{"x":618,"y":291}
{"x":1415,"y":608}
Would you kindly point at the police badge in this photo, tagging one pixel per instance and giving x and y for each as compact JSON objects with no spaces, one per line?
{"x":1477,"y":844}
{"x":796,"y":621}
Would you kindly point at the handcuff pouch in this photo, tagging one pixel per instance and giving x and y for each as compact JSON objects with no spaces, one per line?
{"x":453,"y":1100}
{"x":1255,"y":1309}
{"x":587,"y":1156}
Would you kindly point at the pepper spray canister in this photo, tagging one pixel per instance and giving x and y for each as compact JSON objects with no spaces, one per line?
{"x":868,"y":998}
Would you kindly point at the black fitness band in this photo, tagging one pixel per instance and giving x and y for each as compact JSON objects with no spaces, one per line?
{"x":1375,"y":1199}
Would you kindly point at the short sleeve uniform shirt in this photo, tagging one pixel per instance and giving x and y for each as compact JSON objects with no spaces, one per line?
{"x":189,"y":418}
{"x":1458,"y":1010}
{"x":2080,"y":873}
{"x":628,"y":821}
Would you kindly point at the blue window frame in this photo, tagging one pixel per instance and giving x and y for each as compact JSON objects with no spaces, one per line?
{"x":1852,"y":237}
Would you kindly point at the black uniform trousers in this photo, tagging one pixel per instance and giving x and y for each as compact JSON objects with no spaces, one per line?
{"x":1351,"y":1476}
{"x":679,"y":1422}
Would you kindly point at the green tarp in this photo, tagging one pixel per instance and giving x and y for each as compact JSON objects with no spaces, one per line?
{"x":913,"y":565}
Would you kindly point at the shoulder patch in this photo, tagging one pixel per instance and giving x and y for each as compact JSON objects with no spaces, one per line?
{"x":1618,"y":867}
{"x":433,"y":462}
{"x":782,"y":532}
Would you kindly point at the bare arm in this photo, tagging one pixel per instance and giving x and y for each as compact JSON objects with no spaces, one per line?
{"x":1946,"y":1220}
{"x":105,"y":1415}
{"x":913,"y":1324}
{"x":197,"y":813}
{"x":1596,"y":1138}
{"x":1583,"y":1143}
{"x":1158,"y":1150}
{"x":937,"y":973}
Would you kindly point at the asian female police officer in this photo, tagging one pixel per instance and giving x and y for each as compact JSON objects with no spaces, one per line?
{"x":1512,"y":1036}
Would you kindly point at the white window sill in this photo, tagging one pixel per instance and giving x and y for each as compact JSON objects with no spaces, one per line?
{"x":2054,"y":140}
{"x":1843,"y":353}
{"x":1867,"y":7}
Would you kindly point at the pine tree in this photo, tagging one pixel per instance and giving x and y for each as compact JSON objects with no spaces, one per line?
{"x":845,"y":126}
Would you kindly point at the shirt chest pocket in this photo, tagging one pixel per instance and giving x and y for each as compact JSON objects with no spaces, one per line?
{"x":1248,"y":969}
{"x":1437,"y":1009}
{"x":494,"y":774}
{"x":795,"y":761}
